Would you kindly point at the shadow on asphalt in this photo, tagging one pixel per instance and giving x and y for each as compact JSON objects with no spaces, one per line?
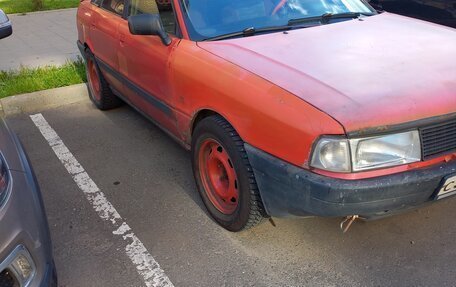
{"x":118,"y":116}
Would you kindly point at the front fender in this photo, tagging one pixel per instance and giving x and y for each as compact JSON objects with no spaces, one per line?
{"x":265,"y":115}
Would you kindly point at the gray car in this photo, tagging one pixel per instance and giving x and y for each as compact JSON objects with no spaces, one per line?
{"x":6,"y":28}
{"x":25,"y":243}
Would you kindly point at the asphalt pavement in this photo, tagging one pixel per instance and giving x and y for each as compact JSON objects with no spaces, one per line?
{"x":147,"y":177}
{"x":40,"y":39}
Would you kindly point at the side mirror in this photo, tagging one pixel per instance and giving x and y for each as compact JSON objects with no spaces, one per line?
{"x":149,"y":25}
{"x":5,"y":25}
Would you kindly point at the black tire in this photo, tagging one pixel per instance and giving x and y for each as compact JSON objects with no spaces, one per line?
{"x":106,"y":99}
{"x":249,"y":211}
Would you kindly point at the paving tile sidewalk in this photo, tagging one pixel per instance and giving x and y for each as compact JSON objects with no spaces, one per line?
{"x":40,"y":39}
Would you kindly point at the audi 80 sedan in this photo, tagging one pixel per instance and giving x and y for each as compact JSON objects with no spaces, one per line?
{"x":289,"y":107}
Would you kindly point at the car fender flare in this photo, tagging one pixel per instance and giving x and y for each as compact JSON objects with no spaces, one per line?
{"x":204,"y":113}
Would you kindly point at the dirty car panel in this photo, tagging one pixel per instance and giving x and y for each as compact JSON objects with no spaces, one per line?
{"x":341,"y":110}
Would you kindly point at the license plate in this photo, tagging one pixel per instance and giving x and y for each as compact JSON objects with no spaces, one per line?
{"x":448,"y":188}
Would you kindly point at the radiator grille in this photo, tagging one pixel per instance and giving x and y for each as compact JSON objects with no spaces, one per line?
{"x":438,"y":139}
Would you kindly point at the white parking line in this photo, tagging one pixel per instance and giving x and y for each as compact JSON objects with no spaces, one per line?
{"x":145,"y":264}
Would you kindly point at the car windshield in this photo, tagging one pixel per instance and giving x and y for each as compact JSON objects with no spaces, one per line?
{"x":212,"y":18}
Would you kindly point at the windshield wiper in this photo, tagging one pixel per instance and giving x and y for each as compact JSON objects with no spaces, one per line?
{"x":253,"y":31}
{"x":292,"y":24}
{"x":247,"y":32}
{"x":325,"y":18}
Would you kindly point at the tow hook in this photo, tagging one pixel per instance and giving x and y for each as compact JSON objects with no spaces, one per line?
{"x":347,"y":222}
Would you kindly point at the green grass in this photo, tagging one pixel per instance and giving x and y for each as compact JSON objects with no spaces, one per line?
{"x":28,"y":80}
{"x":23,"y":6}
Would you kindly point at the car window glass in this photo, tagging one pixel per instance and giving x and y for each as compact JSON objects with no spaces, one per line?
{"x":162,"y":7}
{"x":96,"y":2}
{"x":114,"y":6}
{"x":211,"y":18}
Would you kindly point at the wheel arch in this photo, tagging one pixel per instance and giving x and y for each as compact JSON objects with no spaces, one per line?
{"x":205,"y":113}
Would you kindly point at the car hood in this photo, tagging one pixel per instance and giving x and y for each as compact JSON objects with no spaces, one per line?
{"x":375,"y":72}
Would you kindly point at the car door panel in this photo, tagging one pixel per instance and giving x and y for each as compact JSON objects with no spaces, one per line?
{"x":145,"y":62}
{"x":104,"y":32}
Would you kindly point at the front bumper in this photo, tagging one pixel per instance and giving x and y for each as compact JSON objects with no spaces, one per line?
{"x":23,"y":222}
{"x":289,"y":190}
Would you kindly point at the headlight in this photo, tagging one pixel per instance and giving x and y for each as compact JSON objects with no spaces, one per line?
{"x":342,"y":155}
{"x":332,"y":154}
{"x":390,"y":150}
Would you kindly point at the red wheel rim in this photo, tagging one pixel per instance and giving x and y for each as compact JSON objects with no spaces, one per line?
{"x":218,"y":176}
{"x":94,"y":80}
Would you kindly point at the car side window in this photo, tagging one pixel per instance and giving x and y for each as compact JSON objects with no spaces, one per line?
{"x":162,"y":7}
{"x":96,"y":2}
{"x":114,"y":6}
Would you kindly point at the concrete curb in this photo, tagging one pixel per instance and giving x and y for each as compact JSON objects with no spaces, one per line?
{"x":38,"y":101}
{"x":41,"y":12}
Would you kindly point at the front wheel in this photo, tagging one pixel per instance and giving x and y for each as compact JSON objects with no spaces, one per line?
{"x":223,"y":175}
{"x":99,"y":90}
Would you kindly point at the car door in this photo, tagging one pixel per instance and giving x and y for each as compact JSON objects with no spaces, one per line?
{"x":144,"y":62}
{"x":104,"y":35}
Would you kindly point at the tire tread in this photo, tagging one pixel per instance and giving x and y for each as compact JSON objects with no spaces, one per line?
{"x":257,"y":212}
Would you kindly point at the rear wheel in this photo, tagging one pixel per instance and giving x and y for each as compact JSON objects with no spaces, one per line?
{"x":224,"y":177}
{"x":99,"y":91}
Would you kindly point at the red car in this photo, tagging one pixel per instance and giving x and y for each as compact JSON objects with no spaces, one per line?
{"x":289,"y":107}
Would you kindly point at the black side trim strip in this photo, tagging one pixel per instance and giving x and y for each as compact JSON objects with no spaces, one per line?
{"x":136,"y":89}
{"x":401,"y":127}
{"x":166,"y":131}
